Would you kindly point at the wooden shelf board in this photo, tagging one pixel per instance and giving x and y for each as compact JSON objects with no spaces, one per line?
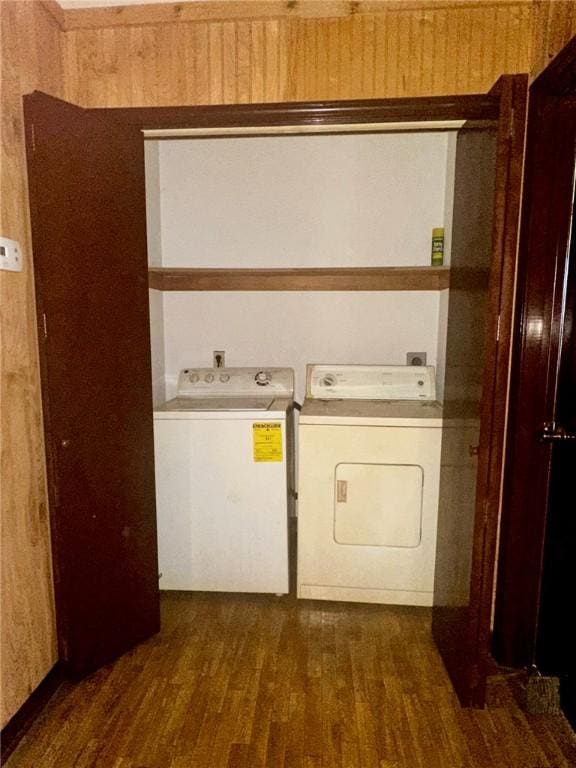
{"x":320,"y":279}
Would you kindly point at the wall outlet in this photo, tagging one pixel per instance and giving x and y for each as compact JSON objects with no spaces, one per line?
{"x":219,"y":358}
{"x":415,"y":358}
{"x":10,"y":255}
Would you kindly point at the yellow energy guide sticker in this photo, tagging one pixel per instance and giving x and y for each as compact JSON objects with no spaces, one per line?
{"x":267,"y":441}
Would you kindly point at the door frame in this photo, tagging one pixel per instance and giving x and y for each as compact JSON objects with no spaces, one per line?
{"x":539,"y":299}
{"x":340,"y":114}
{"x":463,"y":631}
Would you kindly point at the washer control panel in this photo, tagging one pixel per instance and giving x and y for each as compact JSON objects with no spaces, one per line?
{"x":236,"y":382}
{"x":371,"y":382}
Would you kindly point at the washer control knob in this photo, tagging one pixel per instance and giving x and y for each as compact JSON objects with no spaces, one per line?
{"x":209,"y":378}
{"x":224,"y":377}
{"x":328,"y":381}
{"x":194,"y":378}
{"x":263,"y":378}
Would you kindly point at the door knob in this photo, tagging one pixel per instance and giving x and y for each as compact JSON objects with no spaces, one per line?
{"x":65,"y":443}
{"x":554,"y":433}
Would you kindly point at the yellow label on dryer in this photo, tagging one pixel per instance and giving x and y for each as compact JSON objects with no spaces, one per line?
{"x":267,"y":441}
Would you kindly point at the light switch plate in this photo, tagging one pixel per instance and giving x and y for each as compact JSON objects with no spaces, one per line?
{"x":10,"y":255}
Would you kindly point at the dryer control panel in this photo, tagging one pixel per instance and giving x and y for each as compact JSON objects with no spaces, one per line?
{"x":371,"y":382}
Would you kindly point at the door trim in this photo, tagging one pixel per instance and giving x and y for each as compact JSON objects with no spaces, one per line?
{"x":462,"y":630}
{"x":340,"y":114}
{"x":495,"y":390}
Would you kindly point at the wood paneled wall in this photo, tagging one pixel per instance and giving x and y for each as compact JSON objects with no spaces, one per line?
{"x":399,"y":49}
{"x":31,"y":44}
{"x":424,"y":52}
{"x":202,"y":53}
{"x":554,"y":24}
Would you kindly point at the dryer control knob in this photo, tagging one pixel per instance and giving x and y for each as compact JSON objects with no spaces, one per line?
{"x":328,"y":381}
{"x":224,"y":377}
{"x":263,"y":378}
{"x":194,"y":378}
{"x":209,"y":378}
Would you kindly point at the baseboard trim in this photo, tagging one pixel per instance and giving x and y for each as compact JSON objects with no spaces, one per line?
{"x":18,"y":725}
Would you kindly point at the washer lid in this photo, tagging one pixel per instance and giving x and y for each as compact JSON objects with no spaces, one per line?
{"x":371,"y":382}
{"x":216,"y":404}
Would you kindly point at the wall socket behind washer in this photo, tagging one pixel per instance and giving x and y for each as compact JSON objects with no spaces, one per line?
{"x":415,"y":358}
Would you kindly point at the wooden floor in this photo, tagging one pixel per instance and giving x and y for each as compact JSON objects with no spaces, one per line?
{"x":267,"y":681}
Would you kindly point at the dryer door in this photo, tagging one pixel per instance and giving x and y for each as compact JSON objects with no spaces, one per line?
{"x":367,"y":512}
{"x":378,"y":504}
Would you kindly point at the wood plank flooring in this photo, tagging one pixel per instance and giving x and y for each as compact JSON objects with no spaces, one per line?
{"x":256,"y":681}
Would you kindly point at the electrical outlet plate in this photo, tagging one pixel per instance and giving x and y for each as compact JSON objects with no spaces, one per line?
{"x":219,"y":358}
{"x":415,"y":358}
{"x":10,"y":255}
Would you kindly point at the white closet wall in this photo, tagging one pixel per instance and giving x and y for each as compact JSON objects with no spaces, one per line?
{"x":154,"y":229}
{"x":297,"y":201}
{"x":292,"y":329}
{"x":300,"y":201}
{"x":157,"y":347}
{"x":443,"y":296}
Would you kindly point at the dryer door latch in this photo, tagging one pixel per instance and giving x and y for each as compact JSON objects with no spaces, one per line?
{"x":341,"y":491}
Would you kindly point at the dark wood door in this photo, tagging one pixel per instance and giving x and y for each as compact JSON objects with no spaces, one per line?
{"x":536,"y":564}
{"x":484,"y":247}
{"x":556,"y":643}
{"x":87,"y":196}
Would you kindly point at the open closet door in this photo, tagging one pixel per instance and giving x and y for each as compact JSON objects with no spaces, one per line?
{"x":87,"y":196}
{"x":488,"y":175}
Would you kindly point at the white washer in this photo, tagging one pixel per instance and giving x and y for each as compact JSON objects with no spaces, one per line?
{"x":368,"y":476}
{"x":224,"y":465}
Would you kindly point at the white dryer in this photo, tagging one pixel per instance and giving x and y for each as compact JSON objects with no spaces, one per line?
{"x":224,"y":468}
{"x":368,"y":477}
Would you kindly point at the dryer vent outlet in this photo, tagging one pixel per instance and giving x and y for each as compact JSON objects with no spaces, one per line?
{"x":415,"y":358}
